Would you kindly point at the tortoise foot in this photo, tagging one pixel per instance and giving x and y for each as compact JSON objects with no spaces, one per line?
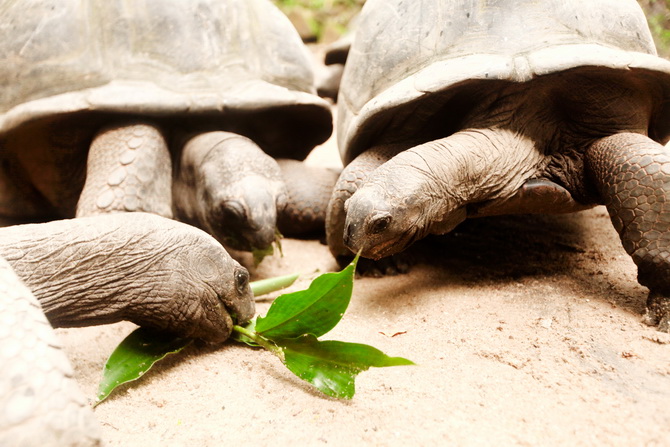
{"x":658,"y":312}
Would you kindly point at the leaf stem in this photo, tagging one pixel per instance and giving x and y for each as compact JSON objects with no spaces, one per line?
{"x":262,"y":341}
{"x":264,"y":286}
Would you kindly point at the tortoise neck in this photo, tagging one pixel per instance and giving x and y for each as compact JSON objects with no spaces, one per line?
{"x":474,"y":165}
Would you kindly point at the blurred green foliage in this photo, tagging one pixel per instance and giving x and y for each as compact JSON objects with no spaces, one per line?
{"x":327,"y":19}
{"x":322,"y":20}
{"x":658,"y":16}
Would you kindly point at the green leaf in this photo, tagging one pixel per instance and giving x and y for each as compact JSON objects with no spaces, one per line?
{"x":332,"y":366}
{"x":242,"y":333}
{"x":260,"y":253}
{"x":313,"y":311}
{"x":269,"y":285}
{"x":134,"y":356}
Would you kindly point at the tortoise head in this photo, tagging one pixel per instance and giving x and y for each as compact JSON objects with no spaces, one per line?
{"x":381,"y":223}
{"x":244,"y":215}
{"x":231,"y":188}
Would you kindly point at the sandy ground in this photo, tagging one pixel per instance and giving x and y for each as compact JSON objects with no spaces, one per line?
{"x":526,"y":331}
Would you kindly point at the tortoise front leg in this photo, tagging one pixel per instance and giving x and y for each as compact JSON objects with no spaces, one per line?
{"x":632,"y":174}
{"x":536,"y":196}
{"x":128,"y":169}
{"x":309,"y":189}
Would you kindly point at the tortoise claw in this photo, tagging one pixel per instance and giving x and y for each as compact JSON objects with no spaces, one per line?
{"x":658,"y":312}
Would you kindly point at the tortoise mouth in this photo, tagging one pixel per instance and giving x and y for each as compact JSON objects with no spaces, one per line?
{"x":380,"y":249}
{"x":241,"y":308}
{"x":244,"y":234}
{"x":233,"y":315}
{"x":250,"y":244}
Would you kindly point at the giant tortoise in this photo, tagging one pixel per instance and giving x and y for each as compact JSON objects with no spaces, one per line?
{"x":156,"y":272}
{"x":452,"y":109}
{"x":104,"y":103}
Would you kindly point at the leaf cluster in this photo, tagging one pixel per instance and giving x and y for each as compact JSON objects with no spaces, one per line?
{"x":295,"y":321}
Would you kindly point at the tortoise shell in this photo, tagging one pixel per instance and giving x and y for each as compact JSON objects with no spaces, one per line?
{"x":233,"y":64}
{"x":414,"y":63}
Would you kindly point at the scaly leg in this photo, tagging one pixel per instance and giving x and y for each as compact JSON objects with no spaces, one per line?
{"x":128,"y":169}
{"x":632,"y":173}
{"x":309,"y":189}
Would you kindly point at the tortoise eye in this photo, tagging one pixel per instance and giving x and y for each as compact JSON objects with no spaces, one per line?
{"x":380,"y":224}
{"x":241,"y":280}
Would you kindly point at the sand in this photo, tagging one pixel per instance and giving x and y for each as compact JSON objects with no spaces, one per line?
{"x":526,"y":330}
